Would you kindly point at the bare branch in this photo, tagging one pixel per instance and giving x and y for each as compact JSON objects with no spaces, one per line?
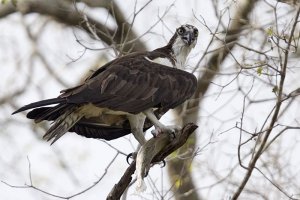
{"x":31,"y":185}
{"x":265,"y":138}
{"x":68,"y":15}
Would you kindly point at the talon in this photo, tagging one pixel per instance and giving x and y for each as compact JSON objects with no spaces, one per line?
{"x":129,"y":156}
{"x":146,"y":173}
{"x":163,"y":163}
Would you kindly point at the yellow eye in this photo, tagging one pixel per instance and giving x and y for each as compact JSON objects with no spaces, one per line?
{"x":180,"y":31}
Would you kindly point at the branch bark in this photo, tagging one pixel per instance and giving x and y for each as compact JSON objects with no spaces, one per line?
{"x":290,"y":2}
{"x":161,"y":152}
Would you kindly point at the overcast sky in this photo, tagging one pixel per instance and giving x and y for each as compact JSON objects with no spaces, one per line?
{"x":86,"y":159}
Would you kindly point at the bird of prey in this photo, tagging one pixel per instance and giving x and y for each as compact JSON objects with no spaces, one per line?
{"x":127,"y":95}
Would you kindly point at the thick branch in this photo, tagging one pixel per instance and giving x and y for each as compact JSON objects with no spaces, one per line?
{"x":290,"y":2}
{"x":65,"y":12}
{"x":123,"y":183}
{"x":161,"y":152}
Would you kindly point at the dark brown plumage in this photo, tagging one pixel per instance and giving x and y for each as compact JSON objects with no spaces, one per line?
{"x":133,"y":84}
{"x":103,"y":105}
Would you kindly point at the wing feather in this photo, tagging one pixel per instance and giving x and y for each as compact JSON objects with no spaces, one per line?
{"x":133,"y":84}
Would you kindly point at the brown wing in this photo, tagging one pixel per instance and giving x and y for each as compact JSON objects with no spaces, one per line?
{"x":133,"y":84}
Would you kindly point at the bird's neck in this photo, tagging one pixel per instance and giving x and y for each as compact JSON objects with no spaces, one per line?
{"x":179,"y":51}
{"x":174,"y":54}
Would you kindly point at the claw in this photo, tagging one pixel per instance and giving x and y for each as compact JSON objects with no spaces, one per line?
{"x":146,"y":173}
{"x":129,"y":156}
{"x":163,"y":163}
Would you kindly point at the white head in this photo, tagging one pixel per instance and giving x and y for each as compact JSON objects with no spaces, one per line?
{"x":182,"y":43}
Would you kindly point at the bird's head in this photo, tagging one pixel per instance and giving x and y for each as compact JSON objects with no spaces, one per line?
{"x":188,"y":34}
{"x":185,"y":36}
{"x":182,"y":42}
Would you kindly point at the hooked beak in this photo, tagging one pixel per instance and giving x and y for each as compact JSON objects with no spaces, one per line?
{"x":189,"y":38}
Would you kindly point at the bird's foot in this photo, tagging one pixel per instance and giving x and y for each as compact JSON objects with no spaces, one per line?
{"x":132,"y":156}
{"x":166,"y":129}
{"x":161,"y":163}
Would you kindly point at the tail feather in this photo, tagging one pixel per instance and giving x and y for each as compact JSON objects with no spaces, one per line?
{"x":41,"y":103}
{"x":48,"y":113}
{"x":43,"y":113}
{"x":62,"y":125}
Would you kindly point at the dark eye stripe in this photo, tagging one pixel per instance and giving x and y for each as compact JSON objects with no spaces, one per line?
{"x":187,"y":27}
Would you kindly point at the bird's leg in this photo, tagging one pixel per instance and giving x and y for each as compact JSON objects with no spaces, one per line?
{"x":159,"y":127}
{"x":137,"y":125}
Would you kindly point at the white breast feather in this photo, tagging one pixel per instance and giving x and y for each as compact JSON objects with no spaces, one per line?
{"x":162,"y":61}
{"x":181,"y":52}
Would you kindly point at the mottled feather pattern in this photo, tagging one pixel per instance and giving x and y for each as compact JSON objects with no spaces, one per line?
{"x":61,"y":125}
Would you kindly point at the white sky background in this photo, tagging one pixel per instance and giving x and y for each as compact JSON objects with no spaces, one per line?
{"x":86,"y":159}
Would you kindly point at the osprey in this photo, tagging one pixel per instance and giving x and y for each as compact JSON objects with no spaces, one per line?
{"x":127,"y":95}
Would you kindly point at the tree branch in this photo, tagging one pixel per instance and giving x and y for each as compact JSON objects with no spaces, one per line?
{"x":290,"y":2}
{"x":163,"y":148}
{"x":65,"y":12}
{"x":177,"y":166}
{"x":278,"y":104}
